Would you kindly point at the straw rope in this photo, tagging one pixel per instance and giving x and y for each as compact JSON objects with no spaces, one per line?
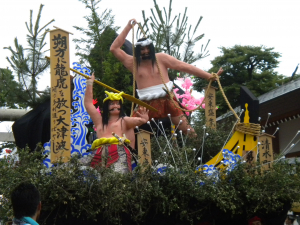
{"x":248,"y":128}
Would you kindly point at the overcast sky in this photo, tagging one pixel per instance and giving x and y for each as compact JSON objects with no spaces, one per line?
{"x":272,"y":23}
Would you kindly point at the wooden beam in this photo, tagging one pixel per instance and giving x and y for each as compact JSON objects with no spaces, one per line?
{"x":12,"y":114}
{"x":4,"y":137}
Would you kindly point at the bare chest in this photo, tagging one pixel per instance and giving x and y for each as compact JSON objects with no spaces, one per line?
{"x":111,"y":127}
{"x":148,"y":75}
{"x":147,"y":71}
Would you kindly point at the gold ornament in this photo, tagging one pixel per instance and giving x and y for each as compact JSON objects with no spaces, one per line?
{"x":113,"y":96}
{"x":108,"y":141}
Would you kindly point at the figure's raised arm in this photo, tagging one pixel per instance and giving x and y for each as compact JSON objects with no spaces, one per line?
{"x":173,"y":63}
{"x":115,"y":48}
{"x":142,"y":118}
{"x":88,"y":102}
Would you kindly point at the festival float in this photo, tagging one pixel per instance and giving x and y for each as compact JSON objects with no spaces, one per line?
{"x":163,"y":189}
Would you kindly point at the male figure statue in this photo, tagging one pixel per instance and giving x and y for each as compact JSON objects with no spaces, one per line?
{"x":108,"y":149}
{"x":149,"y":78}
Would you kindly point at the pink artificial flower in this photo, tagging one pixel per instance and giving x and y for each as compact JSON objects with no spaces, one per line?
{"x":199,"y":102}
{"x":184,"y":102}
{"x":99,"y":110}
{"x":187,"y":100}
{"x":187,"y":83}
{"x":186,"y":95}
{"x":175,"y":90}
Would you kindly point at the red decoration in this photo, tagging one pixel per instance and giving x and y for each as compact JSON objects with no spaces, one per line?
{"x":95,"y":101}
{"x":253,"y":220}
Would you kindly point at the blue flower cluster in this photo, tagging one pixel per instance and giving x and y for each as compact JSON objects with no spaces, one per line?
{"x":230,"y":159}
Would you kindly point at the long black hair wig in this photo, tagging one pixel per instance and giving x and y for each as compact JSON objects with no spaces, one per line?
{"x":138,"y":52}
{"x":105,"y":114}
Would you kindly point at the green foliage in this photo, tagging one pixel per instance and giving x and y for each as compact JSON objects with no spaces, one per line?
{"x":251,"y":66}
{"x":28,"y":67}
{"x":73,"y":194}
{"x":180,"y":196}
{"x":11,"y":93}
{"x":92,"y":34}
{"x":93,"y":50}
{"x":214,"y":138}
{"x":173,"y":35}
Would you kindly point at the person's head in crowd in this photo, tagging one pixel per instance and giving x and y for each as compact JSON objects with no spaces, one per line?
{"x":289,"y":220}
{"x":255,"y":221}
{"x":26,"y":201}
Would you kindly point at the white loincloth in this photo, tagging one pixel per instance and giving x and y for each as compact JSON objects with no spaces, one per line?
{"x":154,"y":92}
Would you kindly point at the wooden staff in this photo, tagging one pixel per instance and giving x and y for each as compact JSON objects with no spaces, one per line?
{"x":128,"y":97}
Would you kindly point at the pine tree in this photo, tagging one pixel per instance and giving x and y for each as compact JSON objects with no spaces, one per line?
{"x":94,"y":53}
{"x":29,"y":63}
{"x":92,"y":39}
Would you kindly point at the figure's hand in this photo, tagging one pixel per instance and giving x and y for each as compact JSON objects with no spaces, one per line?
{"x":92,"y":77}
{"x":213,"y":76}
{"x":143,"y":114}
{"x":91,"y":80}
{"x":132,"y":22}
{"x":220,"y":71}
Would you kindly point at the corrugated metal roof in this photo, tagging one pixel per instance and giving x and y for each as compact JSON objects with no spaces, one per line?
{"x":283,"y":89}
{"x":225,"y":115}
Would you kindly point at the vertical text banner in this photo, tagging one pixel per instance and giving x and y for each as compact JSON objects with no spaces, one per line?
{"x":266,"y":151}
{"x":210,"y":107}
{"x":60,"y":96}
{"x":144,"y":147}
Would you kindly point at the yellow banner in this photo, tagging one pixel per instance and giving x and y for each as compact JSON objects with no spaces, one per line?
{"x":266,"y":151}
{"x":210,"y":107}
{"x":144,"y":147}
{"x":60,"y":96}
